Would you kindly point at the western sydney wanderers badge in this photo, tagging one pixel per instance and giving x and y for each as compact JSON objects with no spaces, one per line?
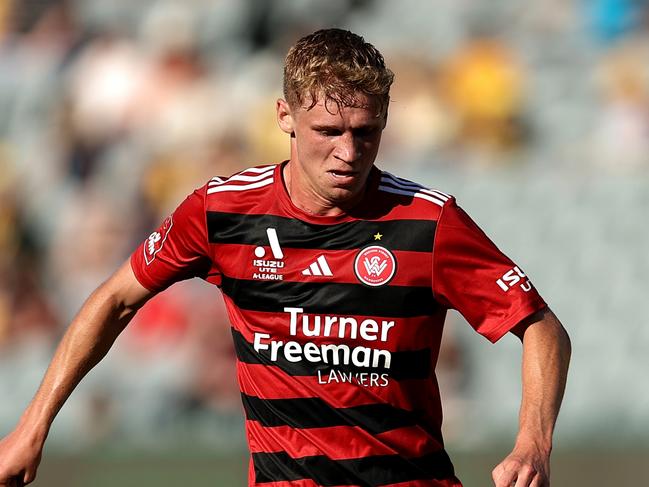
{"x":375,"y":265}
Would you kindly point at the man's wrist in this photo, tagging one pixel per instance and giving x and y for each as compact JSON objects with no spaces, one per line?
{"x":539,"y":442}
{"x":35,"y":430}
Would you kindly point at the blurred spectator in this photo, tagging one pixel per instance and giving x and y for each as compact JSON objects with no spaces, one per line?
{"x":31,"y":317}
{"x":453,"y":375}
{"x":26,"y":315}
{"x":267,"y":142}
{"x":420,"y":122}
{"x":102,"y":88}
{"x":485,"y":86}
{"x":621,"y":136}
{"x":5,"y":18}
{"x":188,"y":325}
{"x":9,"y":240}
{"x":90,"y":241}
{"x":181,"y":115}
{"x":213,"y":383}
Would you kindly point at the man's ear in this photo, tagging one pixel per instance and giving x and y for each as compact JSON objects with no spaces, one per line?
{"x":285,"y":116}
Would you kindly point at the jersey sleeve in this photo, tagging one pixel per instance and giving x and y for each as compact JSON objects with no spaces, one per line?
{"x":177,"y":250}
{"x":471,"y":275}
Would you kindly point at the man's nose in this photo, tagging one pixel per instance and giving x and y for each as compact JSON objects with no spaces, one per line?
{"x":348,"y":149}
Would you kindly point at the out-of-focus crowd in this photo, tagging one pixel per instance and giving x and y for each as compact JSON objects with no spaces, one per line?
{"x":111,"y":112}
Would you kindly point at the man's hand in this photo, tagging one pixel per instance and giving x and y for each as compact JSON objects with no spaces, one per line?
{"x":546,"y":354}
{"x":523,"y":467}
{"x":19,"y":459}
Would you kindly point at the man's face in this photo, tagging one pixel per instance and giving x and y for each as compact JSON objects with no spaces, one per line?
{"x":332,"y":152}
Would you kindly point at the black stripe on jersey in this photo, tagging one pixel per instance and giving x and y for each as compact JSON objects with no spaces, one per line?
{"x":330,"y":298}
{"x":234,"y":228}
{"x":366,"y":471}
{"x":415,"y":364}
{"x":313,"y":412}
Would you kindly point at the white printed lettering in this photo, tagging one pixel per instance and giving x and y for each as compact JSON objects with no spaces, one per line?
{"x":312,"y":352}
{"x":258,"y":345}
{"x":369,"y":329}
{"x":315,"y":331}
{"x":513,"y":277}
{"x":329,"y":321}
{"x":275,"y":345}
{"x":293,"y":312}
{"x":387,"y":358}
{"x":353,"y":324}
{"x":385,"y":327}
{"x":293,"y":351}
{"x":335,"y":350}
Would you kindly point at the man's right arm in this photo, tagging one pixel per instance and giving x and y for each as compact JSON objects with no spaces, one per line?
{"x":91,"y":334}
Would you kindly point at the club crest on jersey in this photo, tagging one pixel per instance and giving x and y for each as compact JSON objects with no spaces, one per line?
{"x":156,"y":240}
{"x":375,"y":266}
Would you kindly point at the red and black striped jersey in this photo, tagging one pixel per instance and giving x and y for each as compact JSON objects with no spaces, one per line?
{"x":337,"y":321}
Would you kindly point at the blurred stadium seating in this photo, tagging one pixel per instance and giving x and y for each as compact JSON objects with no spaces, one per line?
{"x":535,"y":115}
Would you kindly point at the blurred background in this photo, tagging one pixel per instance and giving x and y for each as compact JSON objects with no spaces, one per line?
{"x":534,"y":114}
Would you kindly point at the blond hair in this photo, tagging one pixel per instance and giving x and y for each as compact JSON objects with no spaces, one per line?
{"x":337,"y":65}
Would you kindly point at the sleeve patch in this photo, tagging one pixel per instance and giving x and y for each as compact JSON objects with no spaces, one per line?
{"x":156,"y":240}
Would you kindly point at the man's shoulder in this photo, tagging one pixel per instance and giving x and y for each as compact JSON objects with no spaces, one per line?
{"x":246,"y":179}
{"x":252,"y":182}
{"x":416,"y":198}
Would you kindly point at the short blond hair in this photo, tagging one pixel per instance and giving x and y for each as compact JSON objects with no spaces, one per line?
{"x":337,"y":65}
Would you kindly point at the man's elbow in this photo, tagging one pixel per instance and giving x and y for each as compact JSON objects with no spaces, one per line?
{"x":544,"y":323}
{"x":565,"y":344}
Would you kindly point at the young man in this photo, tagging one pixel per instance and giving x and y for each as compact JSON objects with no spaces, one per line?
{"x":337,"y":277}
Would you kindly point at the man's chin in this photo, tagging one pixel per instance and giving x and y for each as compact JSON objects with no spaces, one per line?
{"x":345,"y":197}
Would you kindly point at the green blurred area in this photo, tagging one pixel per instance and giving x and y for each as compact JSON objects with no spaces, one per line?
{"x":620,"y":468}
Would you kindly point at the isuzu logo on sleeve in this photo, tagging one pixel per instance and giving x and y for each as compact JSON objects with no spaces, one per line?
{"x":375,"y":265}
{"x":156,"y":240}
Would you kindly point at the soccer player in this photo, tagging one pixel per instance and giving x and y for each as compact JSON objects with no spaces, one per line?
{"x":337,"y":277}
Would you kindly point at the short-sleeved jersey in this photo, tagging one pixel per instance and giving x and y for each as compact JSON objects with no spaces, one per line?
{"x":337,"y":321}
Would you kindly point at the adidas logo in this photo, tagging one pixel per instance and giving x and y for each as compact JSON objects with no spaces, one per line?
{"x":318,"y":268}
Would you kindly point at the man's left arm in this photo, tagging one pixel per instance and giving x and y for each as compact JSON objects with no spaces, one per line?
{"x":546,"y":355}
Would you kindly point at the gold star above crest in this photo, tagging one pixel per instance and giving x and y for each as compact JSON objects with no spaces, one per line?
{"x":377,"y":236}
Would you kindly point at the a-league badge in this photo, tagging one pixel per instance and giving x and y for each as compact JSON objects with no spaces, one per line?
{"x":375,"y":265}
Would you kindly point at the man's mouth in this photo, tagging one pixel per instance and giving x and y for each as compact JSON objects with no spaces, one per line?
{"x":343,"y":174}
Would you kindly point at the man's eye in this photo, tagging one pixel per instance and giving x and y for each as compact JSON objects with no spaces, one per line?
{"x":329,"y":132}
{"x":366,"y":132}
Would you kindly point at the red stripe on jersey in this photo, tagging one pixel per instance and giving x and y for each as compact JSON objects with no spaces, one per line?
{"x":340,"y":442}
{"x":267,"y":382}
{"x":416,"y":266}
